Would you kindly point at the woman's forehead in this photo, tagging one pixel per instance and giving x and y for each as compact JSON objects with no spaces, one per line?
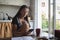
{"x":26,"y":9}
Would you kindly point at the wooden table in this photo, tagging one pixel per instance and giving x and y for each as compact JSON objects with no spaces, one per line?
{"x":44,"y":36}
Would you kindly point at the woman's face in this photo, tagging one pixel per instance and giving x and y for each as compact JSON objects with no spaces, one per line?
{"x":24,"y":12}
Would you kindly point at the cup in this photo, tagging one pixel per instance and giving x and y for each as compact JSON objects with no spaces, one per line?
{"x":38,"y":32}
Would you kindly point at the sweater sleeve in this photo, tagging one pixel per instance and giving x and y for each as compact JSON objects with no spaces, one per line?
{"x":16,"y":21}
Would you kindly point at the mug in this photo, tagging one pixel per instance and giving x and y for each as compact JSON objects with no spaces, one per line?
{"x":38,"y":32}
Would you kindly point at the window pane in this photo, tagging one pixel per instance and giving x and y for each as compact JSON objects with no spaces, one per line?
{"x":58,"y":14}
{"x":44,"y":14}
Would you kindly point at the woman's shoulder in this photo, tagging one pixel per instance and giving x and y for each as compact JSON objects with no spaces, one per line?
{"x":14,"y":20}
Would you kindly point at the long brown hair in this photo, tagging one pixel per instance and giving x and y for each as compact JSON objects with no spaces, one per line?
{"x":18,"y":13}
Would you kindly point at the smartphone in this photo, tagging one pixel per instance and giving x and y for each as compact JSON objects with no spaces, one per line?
{"x":31,"y":30}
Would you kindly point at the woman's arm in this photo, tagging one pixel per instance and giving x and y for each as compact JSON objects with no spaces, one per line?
{"x":25,"y":24}
{"x":14,"y":27}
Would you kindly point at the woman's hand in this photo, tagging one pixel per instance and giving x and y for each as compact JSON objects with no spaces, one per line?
{"x":25,"y":24}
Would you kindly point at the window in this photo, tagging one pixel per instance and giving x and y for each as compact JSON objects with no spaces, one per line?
{"x":44,"y":14}
{"x":58,"y":14}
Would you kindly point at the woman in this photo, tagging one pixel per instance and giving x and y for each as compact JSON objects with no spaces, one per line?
{"x":20,"y":22}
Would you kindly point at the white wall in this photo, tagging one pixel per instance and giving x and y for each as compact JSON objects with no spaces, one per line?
{"x":11,"y":10}
{"x":36,"y":14}
{"x":32,"y":7}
